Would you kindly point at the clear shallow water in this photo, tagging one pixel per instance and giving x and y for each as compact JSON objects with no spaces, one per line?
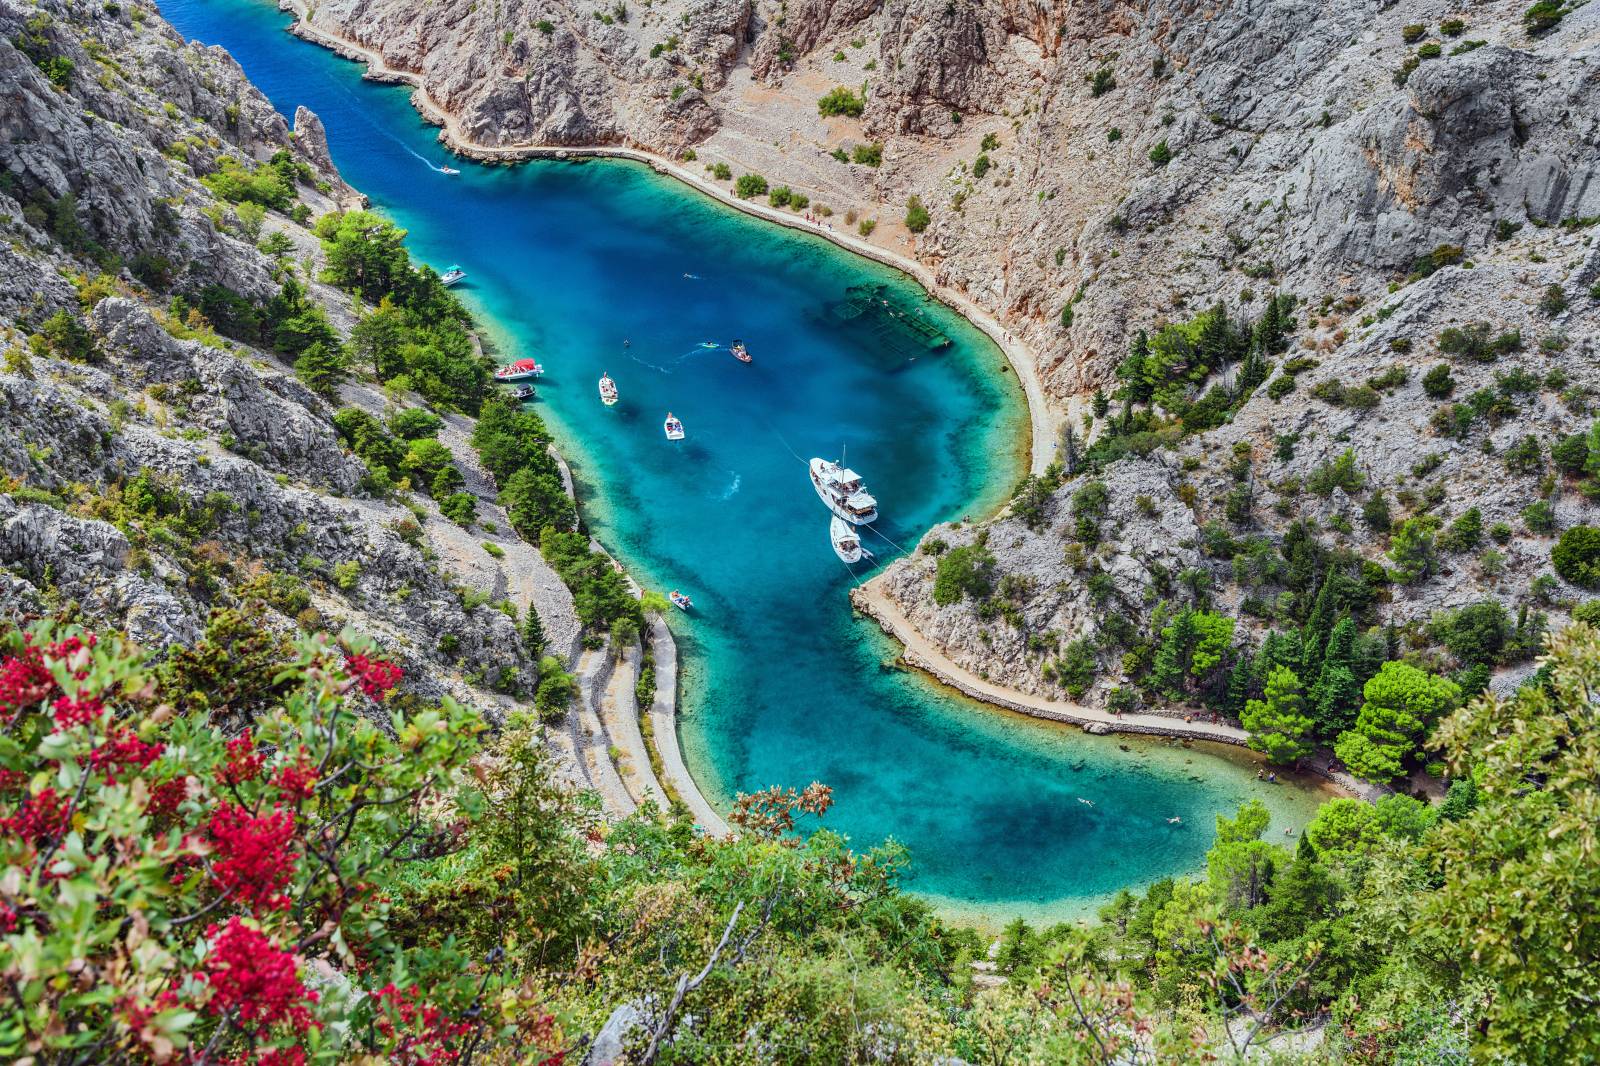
{"x":781,"y":685}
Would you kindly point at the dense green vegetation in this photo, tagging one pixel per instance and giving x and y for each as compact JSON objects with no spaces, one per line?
{"x":472,"y":906}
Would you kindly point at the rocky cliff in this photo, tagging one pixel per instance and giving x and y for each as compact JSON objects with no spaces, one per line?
{"x":1378,"y":173}
{"x":155,"y":470}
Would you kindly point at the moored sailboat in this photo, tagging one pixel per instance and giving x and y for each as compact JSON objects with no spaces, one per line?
{"x":608,"y":390}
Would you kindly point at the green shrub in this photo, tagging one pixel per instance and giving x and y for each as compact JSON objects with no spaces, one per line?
{"x":1413,"y":33}
{"x":1553,"y":302}
{"x":841,"y":101}
{"x":1161,"y":155}
{"x":347,"y":575}
{"x":867,"y":226}
{"x":460,"y":508}
{"x":1452,"y":27}
{"x":749,"y":185}
{"x":1102,"y":81}
{"x":980,"y":166}
{"x":1543,"y":17}
{"x":1576,"y":555}
{"x":917,"y":217}
{"x":966,"y":571}
{"x":1539,"y":517}
{"x":1431,"y":50}
{"x":721,"y":171}
{"x":870,"y":155}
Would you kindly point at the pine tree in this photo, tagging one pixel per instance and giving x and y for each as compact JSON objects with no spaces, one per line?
{"x":1101,"y":403}
{"x":533,"y":634}
{"x":1240,"y":683}
{"x":1278,"y":724}
{"x":1172,"y":658}
{"x":321,"y":369}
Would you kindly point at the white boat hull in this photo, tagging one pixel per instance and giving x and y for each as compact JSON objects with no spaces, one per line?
{"x":846,"y":543}
{"x":837,"y":509}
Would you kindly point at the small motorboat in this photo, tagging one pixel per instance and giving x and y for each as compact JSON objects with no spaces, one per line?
{"x":451,"y":275}
{"x":710,"y":344}
{"x":608,"y":390}
{"x":524,"y":392}
{"x":521,"y":370}
{"x":846,"y":541}
{"x":741,"y":353}
{"x":448,"y":170}
{"x":679,"y":600}
{"x":673,"y":427}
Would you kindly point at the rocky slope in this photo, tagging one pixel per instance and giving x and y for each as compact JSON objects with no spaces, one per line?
{"x":152,"y":470}
{"x":1091,"y":171}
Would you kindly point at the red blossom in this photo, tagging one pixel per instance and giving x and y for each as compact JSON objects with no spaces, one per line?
{"x":422,"y":1034}
{"x":8,"y":918}
{"x":376,"y":676}
{"x":255,"y":979}
{"x":24,"y":679}
{"x":289,"y":1056}
{"x":253,"y":861}
{"x":74,"y":712}
{"x":43,"y":816}
{"x":182,"y":866}
{"x":123,"y":749}
{"x":165,"y":797}
{"x":244,"y":763}
{"x":297,"y":780}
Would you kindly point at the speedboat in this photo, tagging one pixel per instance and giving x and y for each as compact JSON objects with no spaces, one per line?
{"x":673,"y":427}
{"x":846,"y":541}
{"x":608,"y":390}
{"x":710,"y":344}
{"x":524,"y":392}
{"x":679,"y":600}
{"x":741,"y":353}
{"x":448,"y":170}
{"x":451,"y":275}
{"x":842,"y":491}
{"x":521,"y":370}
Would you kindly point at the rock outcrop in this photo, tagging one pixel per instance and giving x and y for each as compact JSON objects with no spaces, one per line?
{"x":152,"y":470}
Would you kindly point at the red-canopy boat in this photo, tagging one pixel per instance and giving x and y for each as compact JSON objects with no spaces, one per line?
{"x":520,"y":370}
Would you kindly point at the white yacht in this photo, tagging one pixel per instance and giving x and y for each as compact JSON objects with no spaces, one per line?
{"x":673,"y":427}
{"x":843,"y":493}
{"x":846,"y":541}
{"x":608,"y":390}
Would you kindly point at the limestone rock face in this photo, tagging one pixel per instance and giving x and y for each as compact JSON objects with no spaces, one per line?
{"x":152,"y":470}
{"x":561,"y":74}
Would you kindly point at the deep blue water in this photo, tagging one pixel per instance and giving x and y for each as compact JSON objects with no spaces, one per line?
{"x":605,"y":266}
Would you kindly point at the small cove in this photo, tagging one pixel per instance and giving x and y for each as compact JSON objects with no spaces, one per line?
{"x":781,"y":685}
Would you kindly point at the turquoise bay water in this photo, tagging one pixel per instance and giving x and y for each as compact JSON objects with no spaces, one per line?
{"x":781,"y":685}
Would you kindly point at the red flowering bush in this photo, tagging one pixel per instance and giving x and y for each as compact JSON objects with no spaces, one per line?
{"x":173,"y":894}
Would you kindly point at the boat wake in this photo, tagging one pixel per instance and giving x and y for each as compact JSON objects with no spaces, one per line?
{"x":424,"y":159}
{"x":671,"y":365}
{"x":733,"y":488}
